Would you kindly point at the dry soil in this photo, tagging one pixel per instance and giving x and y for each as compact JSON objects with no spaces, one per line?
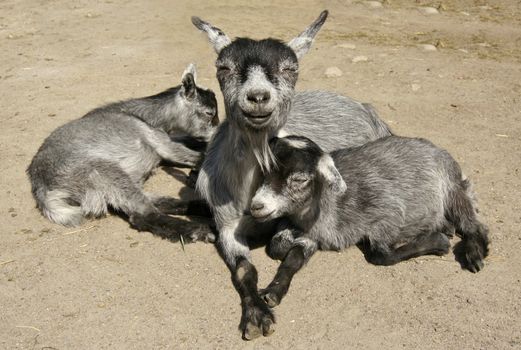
{"x":106,"y":286}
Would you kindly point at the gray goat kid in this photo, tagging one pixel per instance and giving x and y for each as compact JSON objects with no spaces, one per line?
{"x":101,"y":160}
{"x":396,"y":197}
{"x":257,"y":79}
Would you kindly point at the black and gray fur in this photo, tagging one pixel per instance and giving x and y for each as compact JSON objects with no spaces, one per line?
{"x":257,"y":79}
{"x":101,"y":160}
{"x":396,"y":197}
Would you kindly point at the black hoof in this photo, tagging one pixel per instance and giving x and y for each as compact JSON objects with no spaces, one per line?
{"x":472,"y":250}
{"x":474,"y":255}
{"x":270,"y":296}
{"x":199,"y":235}
{"x":257,"y":320}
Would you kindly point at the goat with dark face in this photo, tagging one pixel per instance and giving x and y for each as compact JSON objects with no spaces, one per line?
{"x":257,"y":79}
{"x":100,"y":161}
{"x":396,"y":197}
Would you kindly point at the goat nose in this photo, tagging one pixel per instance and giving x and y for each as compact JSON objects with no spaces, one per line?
{"x":256,"y":206}
{"x":258,"y":96}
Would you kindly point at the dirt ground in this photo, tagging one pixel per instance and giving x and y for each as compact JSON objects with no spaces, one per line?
{"x":106,"y":286}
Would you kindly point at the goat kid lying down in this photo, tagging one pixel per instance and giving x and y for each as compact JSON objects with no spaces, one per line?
{"x":101,"y":160}
{"x":396,"y":197}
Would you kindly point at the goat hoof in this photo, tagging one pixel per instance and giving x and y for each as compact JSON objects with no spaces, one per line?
{"x":271,"y":298}
{"x":251,"y":332}
{"x":210,"y":238}
{"x":206,"y":237}
{"x":474,"y":255}
{"x":257,"y":321}
{"x":474,"y":264}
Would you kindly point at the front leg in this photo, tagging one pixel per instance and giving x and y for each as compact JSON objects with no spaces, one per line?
{"x":302,"y":250}
{"x":179,"y":153}
{"x":171,"y":151}
{"x":257,"y":319}
{"x":283,"y":240}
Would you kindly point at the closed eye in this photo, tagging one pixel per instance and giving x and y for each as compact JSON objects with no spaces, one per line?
{"x":298,"y":180}
{"x":223,"y":69}
{"x":289,"y":69}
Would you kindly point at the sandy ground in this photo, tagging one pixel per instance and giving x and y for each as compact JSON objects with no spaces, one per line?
{"x":105,"y":286}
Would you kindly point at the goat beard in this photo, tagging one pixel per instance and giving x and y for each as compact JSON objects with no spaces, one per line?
{"x":261,"y":150}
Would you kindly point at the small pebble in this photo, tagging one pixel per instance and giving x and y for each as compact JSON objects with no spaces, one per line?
{"x":347,"y":46}
{"x":360,"y":59}
{"x":465,"y":13}
{"x":415,"y":87}
{"x":333,"y":72}
{"x":373,"y":4}
{"x":428,"y":10}
{"x":428,"y":47}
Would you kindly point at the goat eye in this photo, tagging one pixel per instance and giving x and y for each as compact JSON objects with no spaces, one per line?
{"x":209,"y":113}
{"x":298,"y":180}
{"x":289,"y":69}
{"x":223,"y":69}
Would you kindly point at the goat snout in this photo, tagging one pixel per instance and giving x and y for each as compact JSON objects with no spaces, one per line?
{"x":257,"y":104}
{"x":259,"y":210}
{"x":256,"y":206}
{"x":258,"y":96}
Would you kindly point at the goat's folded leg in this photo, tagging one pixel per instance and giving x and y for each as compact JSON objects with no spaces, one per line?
{"x":283,"y":240}
{"x":432,"y":243}
{"x":301,"y":251}
{"x":173,"y":206}
{"x":172,"y":228}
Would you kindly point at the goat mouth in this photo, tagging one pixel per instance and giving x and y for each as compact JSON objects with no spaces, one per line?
{"x":262,"y":216}
{"x":257,"y":119}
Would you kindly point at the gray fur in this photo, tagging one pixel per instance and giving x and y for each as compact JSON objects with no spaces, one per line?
{"x":257,"y":79}
{"x":239,"y":150}
{"x":391,"y":192}
{"x":100,"y":161}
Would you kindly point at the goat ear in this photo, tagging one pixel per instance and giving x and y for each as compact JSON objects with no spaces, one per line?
{"x":217,"y":38}
{"x":332,"y":178}
{"x":302,"y":43}
{"x":188,"y":81}
{"x":190,"y":69}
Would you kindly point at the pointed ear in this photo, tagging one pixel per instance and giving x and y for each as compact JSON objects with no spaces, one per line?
{"x":332,"y":178}
{"x":302,"y":43}
{"x":188,"y":81}
{"x":217,"y":38}
{"x":190,"y":69}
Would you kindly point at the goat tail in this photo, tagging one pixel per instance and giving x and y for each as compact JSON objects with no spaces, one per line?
{"x":462,"y":212}
{"x":55,"y":205}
